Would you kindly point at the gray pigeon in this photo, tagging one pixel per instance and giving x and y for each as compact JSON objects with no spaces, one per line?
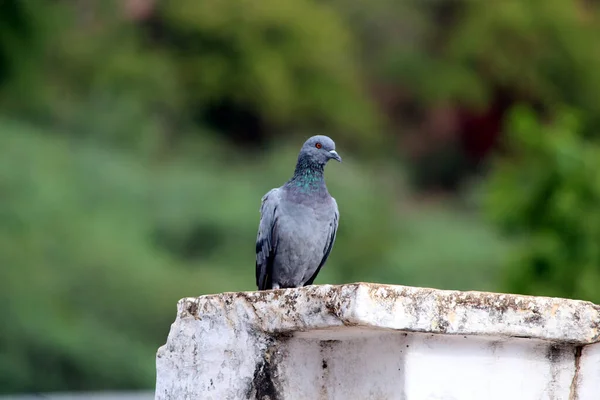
{"x":298,"y":222}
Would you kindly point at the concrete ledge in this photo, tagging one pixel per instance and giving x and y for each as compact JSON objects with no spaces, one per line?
{"x":372,"y":341}
{"x":404,"y":308}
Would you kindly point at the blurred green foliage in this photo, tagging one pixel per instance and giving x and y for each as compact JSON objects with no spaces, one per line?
{"x":543,"y":50}
{"x":547,"y":194}
{"x":478,"y":57}
{"x":127,"y":179}
{"x":289,"y":61}
{"x":100,"y":245}
{"x":144,"y":86}
{"x":463,"y":51}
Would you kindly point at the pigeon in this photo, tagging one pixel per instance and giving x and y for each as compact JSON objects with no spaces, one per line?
{"x":298,"y":222}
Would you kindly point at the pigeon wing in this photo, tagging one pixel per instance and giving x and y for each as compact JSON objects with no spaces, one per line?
{"x":333,"y":226}
{"x":266,"y":240}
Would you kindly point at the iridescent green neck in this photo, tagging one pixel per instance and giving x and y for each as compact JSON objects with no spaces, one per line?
{"x":308,"y":176}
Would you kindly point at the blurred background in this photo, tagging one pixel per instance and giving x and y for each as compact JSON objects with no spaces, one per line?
{"x":138,"y":136}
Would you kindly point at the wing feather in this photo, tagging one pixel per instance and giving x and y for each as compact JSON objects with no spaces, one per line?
{"x":266,"y":239}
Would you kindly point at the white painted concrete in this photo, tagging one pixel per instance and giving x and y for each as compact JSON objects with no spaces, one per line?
{"x":365,"y":341}
{"x":588,"y":377}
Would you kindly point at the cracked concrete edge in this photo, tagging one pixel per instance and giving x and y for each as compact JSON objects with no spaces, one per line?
{"x":402,"y":308}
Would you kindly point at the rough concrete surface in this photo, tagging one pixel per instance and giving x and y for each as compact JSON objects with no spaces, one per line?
{"x":370,"y":341}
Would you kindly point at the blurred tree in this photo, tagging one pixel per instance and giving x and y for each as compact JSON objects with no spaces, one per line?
{"x":475,"y":60}
{"x":91,"y":77}
{"x":248,"y":67}
{"x":17,"y":36}
{"x":546,"y":195}
{"x":238,"y":68}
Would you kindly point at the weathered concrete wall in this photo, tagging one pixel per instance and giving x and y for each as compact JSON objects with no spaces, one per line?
{"x":365,"y":341}
{"x":586,"y":384}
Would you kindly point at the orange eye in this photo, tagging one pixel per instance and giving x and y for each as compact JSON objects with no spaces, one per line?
{"x":318,"y":145}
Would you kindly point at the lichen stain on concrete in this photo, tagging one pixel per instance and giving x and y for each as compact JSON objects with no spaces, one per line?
{"x":573,"y":393}
{"x":264,"y":385}
{"x":495,"y":305}
{"x":535,"y":318}
{"x":555,"y":354}
{"x":440,"y":324}
{"x":192,"y":308}
{"x":188,"y":307}
{"x":325,"y":352}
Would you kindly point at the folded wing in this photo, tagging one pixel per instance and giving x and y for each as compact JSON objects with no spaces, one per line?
{"x":266,"y":240}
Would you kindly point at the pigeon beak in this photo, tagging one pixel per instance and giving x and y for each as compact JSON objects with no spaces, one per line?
{"x":335,"y":156}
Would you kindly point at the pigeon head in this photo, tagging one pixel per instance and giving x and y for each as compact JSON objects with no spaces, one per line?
{"x":319,"y":149}
{"x":315,"y":153}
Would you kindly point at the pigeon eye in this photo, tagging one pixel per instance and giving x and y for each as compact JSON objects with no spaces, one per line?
{"x":318,"y":145}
